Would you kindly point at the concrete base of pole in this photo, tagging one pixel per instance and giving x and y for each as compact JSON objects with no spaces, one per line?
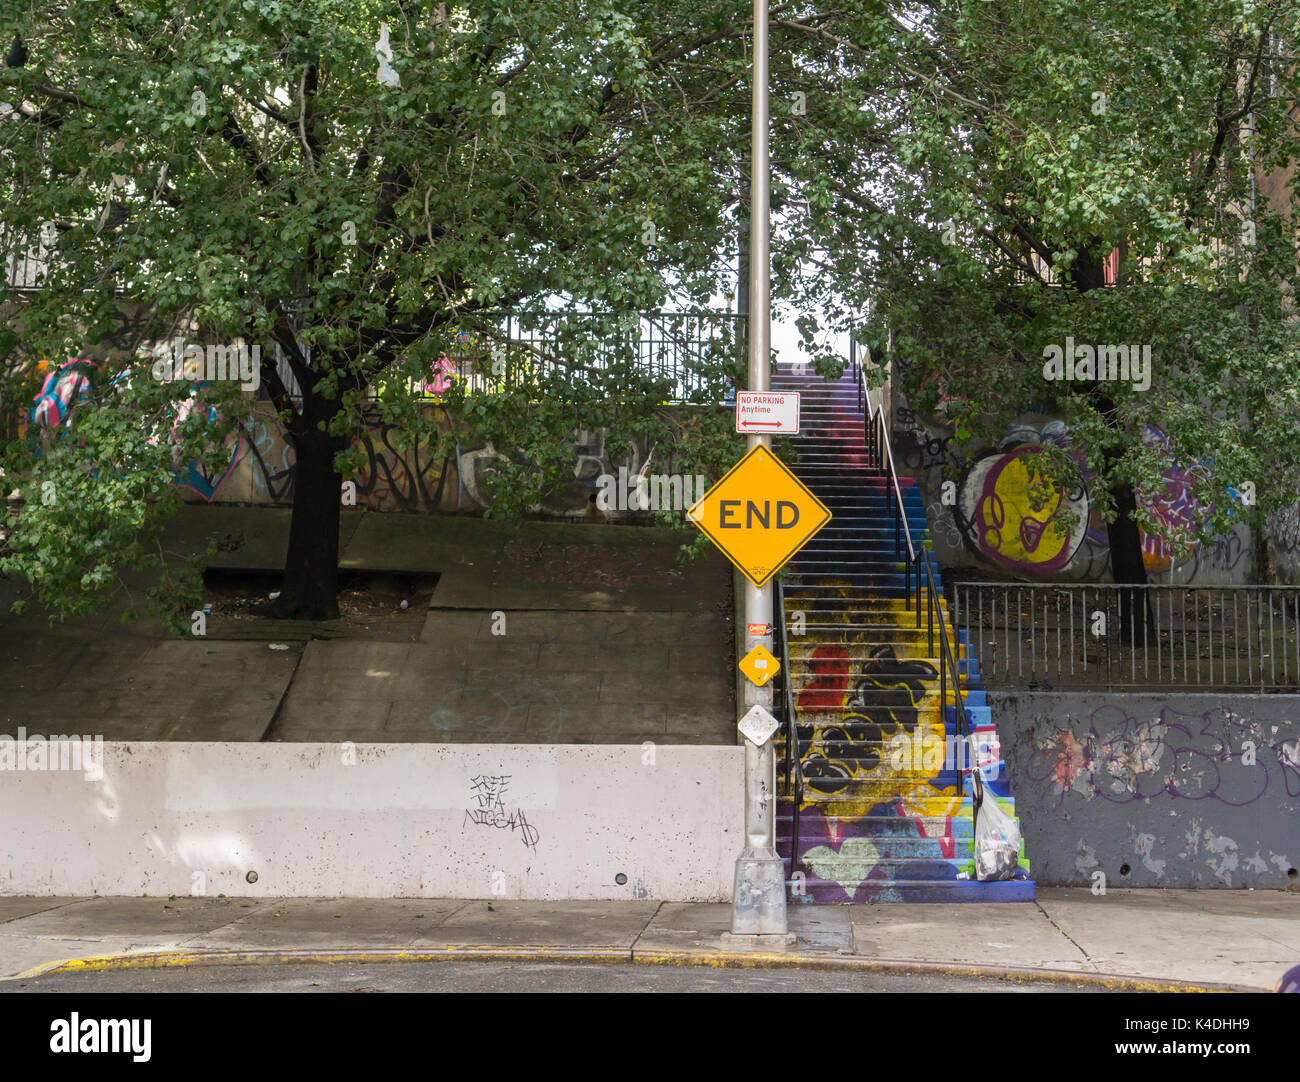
{"x":759,"y":897}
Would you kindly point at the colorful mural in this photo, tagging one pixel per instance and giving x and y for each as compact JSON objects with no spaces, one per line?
{"x":63,"y":388}
{"x":871,"y":818}
{"x":1014,"y":525}
{"x":985,"y":504}
{"x":437,"y":473}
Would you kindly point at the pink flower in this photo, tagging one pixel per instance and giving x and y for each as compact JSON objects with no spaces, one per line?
{"x":443,"y":369}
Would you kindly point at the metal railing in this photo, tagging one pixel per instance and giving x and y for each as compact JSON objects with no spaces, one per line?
{"x":23,"y":267}
{"x":917,"y":563}
{"x":694,"y":356}
{"x":793,"y":767}
{"x":1074,"y":635}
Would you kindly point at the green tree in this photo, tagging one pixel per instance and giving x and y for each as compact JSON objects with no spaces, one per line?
{"x":985,"y":160}
{"x":283,"y":173}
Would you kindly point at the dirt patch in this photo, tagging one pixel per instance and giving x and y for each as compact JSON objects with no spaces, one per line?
{"x":380,"y":605}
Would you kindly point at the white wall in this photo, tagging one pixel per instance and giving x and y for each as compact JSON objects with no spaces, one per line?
{"x":195,"y":818}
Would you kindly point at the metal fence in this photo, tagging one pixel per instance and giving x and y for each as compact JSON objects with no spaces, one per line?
{"x":22,"y":267}
{"x":1114,"y":637}
{"x":691,"y":356}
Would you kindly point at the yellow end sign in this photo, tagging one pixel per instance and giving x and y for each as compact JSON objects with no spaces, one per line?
{"x":760,"y":514}
{"x":760,"y":665}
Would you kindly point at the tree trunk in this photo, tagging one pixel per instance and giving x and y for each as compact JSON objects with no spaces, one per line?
{"x":1124,"y":535}
{"x":310,"y":585}
{"x":1127,"y":567}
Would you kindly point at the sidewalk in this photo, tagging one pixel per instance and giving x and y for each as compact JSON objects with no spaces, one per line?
{"x":1141,"y":940}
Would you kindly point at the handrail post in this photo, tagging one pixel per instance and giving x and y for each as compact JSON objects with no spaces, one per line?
{"x":943,"y":688}
{"x":793,"y":769}
{"x":929,"y":600}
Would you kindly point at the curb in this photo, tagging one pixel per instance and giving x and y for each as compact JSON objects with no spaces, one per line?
{"x":176,"y":959}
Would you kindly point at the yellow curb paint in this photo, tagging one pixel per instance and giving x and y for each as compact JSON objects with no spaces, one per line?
{"x":717,"y":959}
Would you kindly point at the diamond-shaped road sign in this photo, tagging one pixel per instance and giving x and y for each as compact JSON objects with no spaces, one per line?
{"x":757,"y":725}
{"x":760,"y":514}
{"x":760,"y":665}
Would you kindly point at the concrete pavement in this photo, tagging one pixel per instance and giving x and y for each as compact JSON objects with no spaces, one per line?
{"x":1133,"y":939}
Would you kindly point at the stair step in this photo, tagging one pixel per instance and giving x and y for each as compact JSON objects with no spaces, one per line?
{"x":872,"y":826}
{"x":892,"y":847}
{"x":918,"y":869}
{"x":840,"y":805}
{"x":882,"y":891}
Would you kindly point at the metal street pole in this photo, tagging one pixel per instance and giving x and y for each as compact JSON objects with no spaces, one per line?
{"x":758,"y":901}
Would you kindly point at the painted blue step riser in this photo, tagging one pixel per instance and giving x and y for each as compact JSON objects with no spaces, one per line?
{"x":814,"y":892}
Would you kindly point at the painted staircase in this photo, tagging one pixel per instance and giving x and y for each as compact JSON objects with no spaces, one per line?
{"x":883,"y":816}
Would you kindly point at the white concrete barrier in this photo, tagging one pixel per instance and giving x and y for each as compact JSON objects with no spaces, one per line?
{"x":527,"y":821}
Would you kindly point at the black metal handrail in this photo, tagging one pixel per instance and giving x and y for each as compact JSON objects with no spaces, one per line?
{"x":876,"y":437}
{"x":793,"y":767}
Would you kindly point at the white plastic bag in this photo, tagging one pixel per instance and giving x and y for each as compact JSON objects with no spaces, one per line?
{"x":997,"y":838}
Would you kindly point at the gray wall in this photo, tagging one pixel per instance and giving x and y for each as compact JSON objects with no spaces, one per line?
{"x":1162,"y":784}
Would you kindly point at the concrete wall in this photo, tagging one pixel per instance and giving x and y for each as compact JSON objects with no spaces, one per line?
{"x":1155,"y":790}
{"x":401,"y":820}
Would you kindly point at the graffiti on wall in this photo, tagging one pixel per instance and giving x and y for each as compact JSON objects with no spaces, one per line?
{"x":441,"y":471}
{"x":1217,"y":756}
{"x":998,"y":510}
{"x":1283,"y":532}
{"x":1157,"y":792}
{"x":487,"y":793}
{"x":397,"y":476}
{"x":435,"y":473}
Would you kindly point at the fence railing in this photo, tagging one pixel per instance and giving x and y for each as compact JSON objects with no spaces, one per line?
{"x":1117,"y":637}
{"x":21,"y":265}
{"x":695,"y":356}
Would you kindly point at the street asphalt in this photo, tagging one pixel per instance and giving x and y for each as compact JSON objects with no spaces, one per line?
{"x":510,"y":977}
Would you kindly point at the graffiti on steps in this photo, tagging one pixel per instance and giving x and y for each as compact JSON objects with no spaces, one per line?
{"x":882,"y":818}
{"x":865,"y":708}
{"x":858,"y":695}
